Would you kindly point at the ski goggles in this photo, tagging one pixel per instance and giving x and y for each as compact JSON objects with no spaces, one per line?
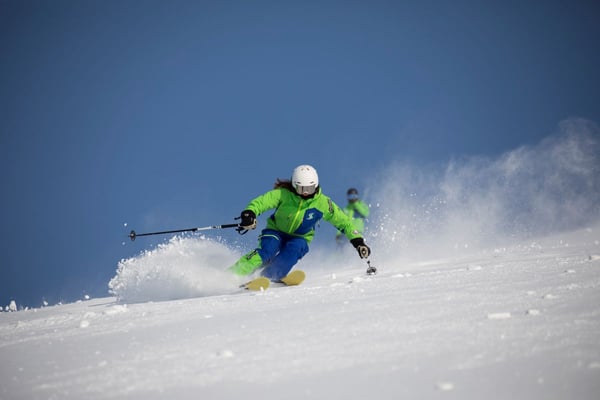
{"x":353,"y":196}
{"x":306,"y":190}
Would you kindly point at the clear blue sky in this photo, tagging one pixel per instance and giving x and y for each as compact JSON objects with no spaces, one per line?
{"x":173,"y":114}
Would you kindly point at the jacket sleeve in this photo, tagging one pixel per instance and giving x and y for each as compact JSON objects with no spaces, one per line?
{"x":362,"y":208}
{"x":265,"y":202}
{"x":340,"y":220}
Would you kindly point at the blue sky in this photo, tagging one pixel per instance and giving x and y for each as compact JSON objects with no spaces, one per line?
{"x":173,"y":114}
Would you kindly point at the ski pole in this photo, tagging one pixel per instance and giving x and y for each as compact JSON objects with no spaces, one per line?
{"x":371,"y":270}
{"x":133,"y":235}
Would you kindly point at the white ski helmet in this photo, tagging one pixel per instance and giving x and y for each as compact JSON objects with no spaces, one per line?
{"x":305,"y":180}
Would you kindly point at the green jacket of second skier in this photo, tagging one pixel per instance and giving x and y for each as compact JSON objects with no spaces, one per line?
{"x":358,"y":211}
{"x":298,"y":216}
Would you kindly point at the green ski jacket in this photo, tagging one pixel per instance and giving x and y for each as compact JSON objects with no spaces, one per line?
{"x":298,"y":216}
{"x":357,"y":211}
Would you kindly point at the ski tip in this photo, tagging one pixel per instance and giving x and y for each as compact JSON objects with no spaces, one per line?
{"x":294,"y":278}
{"x":257,"y":284}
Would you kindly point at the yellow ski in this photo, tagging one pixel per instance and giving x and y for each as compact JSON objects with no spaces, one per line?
{"x":257,"y":284}
{"x":261,"y":283}
{"x":294,"y":278}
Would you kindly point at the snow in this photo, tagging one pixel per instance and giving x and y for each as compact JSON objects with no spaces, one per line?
{"x":522,"y":323}
{"x":474,"y":299}
{"x":180,"y":268}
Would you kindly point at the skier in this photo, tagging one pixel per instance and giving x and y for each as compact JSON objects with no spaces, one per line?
{"x":299,"y":204}
{"x":357,"y":210}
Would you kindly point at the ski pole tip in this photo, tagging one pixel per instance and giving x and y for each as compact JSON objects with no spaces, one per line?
{"x":132,"y":235}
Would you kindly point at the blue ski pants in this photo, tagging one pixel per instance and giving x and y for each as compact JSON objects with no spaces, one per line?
{"x":279,"y":252}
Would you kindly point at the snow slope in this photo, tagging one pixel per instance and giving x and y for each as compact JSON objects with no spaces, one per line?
{"x":519,"y":322}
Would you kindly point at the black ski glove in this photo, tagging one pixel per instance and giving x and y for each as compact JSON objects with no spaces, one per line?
{"x":248,"y":218}
{"x":363,"y":250}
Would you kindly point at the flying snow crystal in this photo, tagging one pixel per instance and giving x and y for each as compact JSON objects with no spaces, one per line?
{"x":12,"y":306}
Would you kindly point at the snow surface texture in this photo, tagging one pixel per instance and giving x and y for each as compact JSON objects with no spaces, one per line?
{"x":474,"y":299}
{"x":521,"y":322}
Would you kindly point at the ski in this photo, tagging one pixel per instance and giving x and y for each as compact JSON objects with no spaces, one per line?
{"x":257,"y":284}
{"x":294,"y":278}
